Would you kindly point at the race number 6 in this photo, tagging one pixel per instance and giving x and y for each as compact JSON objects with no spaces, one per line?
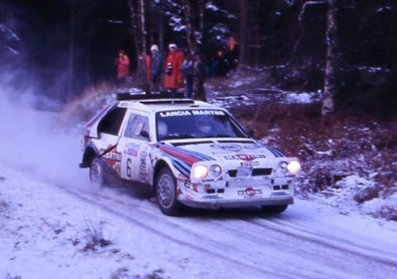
{"x":129,"y":163}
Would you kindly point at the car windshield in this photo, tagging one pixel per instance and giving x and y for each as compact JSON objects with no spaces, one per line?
{"x":198,"y":123}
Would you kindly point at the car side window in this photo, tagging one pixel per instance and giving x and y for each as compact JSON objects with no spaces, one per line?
{"x":137,"y":127}
{"x":112,"y":121}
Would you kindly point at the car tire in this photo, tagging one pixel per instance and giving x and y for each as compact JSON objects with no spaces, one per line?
{"x":166,"y":193}
{"x":97,"y":173}
{"x":274,"y":209}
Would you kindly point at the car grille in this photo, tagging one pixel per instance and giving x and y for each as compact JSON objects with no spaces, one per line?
{"x":255,"y":172}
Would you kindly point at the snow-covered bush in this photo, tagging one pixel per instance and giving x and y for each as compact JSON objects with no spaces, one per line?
{"x":95,"y":237}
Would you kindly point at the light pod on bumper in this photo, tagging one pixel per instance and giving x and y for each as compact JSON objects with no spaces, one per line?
{"x":294,"y":167}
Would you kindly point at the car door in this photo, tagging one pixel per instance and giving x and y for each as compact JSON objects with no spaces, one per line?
{"x":107,"y":134}
{"x":134,"y":146}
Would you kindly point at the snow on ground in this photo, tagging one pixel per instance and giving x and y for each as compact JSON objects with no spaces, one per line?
{"x":47,"y":232}
{"x":342,"y":198}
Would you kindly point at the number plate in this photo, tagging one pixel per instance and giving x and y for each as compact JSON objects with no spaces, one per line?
{"x":244,"y":171}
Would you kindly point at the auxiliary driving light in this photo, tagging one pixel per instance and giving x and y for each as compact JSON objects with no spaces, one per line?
{"x":215,"y":170}
{"x":200,"y":172}
{"x":294,"y":167}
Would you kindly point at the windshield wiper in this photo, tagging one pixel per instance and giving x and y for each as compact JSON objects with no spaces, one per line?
{"x":177,"y":136}
{"x":221,"y":136}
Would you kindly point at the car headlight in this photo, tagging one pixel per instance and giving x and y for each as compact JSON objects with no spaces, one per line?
{"x":200,"y":172}
{"x":283,"y":166}
{"x":294,"y":167}
{"x":215,"y":170}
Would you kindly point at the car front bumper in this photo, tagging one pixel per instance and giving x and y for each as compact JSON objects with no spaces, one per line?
{"x":217,"y":203}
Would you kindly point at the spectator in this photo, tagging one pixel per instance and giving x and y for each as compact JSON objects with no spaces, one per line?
{"x":154,"y":68}
{"x":212,"y":69}
{"x":233,"y":53}
{"x":217,"y":64}
{"x":173,"y":79}
{"x":122,"y":64}
{"x":187,"y":70}
{"x":222,"y":67}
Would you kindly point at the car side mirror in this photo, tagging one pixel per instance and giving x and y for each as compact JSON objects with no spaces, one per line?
{"x":145,"y":135}
{"x":251,"y":132}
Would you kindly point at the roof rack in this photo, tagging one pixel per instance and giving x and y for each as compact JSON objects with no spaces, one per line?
{"x":149,"y":96}
{"x":167,"y":101}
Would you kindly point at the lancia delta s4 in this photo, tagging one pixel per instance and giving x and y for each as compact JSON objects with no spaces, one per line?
{"x":186,"y":153}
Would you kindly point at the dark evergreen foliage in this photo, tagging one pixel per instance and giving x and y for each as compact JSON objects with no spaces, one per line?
{"x":71,"y":44}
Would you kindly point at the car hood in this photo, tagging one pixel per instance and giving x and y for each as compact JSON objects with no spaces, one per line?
{"x":230,"y":151}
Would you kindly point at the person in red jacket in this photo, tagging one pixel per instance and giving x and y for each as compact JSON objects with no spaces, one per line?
{"x":122,"y":64}
{"x":173,"y":78}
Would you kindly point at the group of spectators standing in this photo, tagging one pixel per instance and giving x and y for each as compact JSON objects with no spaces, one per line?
{"x":175,"y":72}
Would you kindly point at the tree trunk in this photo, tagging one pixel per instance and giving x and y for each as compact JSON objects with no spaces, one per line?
{"x":161,"y":24}
{"x":134,"y":28}
{"x":243,"y":31}
{"x":137,"y":16}
{"x":71,"y":52}
{"x":331,"y":63}
{"x":143,"y":52}
{"x":194,"y":25}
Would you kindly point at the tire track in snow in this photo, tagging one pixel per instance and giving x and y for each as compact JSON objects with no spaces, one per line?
{"x":287,"y":250}
{"x":215,"y":249}
{"x":203,"y":239}
{"x":234,"y":250}
{"x":329,"y":256}
{"x":391,"y":256}
{"x":329,"y":241}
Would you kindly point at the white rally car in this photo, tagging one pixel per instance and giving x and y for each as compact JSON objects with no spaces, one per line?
{"x":185,"y":152}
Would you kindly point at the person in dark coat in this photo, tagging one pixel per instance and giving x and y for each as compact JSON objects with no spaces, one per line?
{"x":154,"y":68}
{"x":187,"y":70}
{"x":232,"y":53}
{"x":222,"y":64}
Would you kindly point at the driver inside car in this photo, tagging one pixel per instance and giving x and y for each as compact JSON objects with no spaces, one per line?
{"x":203,"y":128}
{"x":162,"y":130}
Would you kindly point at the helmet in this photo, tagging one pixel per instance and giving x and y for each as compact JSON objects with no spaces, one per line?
{"x":203,"y":125}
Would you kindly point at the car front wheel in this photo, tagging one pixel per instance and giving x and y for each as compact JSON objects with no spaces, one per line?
{"x":166,"y":193}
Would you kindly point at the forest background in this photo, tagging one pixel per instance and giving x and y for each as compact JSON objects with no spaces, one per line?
{"x":347,"y":49}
